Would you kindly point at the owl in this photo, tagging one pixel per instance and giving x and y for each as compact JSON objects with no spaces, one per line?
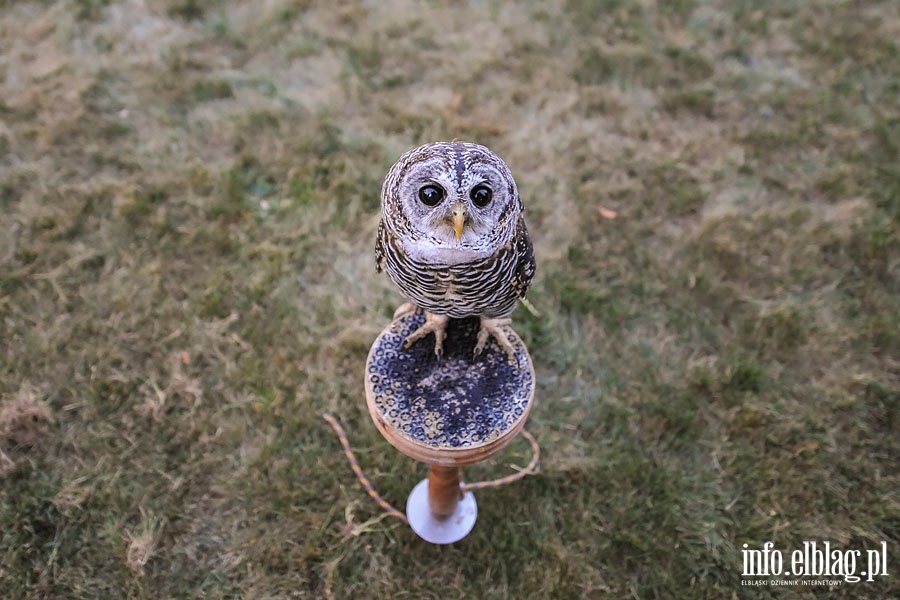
{"x":453,"y":239}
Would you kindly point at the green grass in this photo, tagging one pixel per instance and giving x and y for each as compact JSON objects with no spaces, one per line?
{"x":188,"y":203}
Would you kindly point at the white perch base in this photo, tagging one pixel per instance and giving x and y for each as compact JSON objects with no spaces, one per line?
{"x":440,"y":531}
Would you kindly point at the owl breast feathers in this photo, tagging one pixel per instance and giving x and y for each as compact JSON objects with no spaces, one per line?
{"x":452,"y":236}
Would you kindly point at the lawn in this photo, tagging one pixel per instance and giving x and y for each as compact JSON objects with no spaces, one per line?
{"x":189,"y":194}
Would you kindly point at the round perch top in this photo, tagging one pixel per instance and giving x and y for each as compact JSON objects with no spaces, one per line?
{"x":455,"y":411}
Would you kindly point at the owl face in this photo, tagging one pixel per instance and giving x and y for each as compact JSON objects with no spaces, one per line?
{"x":453,"y":196}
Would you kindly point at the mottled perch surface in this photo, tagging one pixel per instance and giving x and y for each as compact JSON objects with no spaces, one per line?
{"x":458,"y":401}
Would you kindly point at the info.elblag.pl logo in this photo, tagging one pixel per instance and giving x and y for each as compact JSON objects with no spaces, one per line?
{"x":819,"y":560}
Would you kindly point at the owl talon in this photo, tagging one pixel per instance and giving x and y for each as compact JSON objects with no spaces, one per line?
{"x":498,"y":329}
{"x":436,"y":324}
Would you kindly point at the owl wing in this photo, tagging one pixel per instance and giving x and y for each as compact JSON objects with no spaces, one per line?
{"x":379,"y":247}
{"x":525,"y":259}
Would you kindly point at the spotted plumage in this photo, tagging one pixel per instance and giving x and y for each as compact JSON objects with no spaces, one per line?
{"x":453,"y":239}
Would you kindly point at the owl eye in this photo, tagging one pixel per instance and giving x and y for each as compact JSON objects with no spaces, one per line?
{"x":431,"y":194}
{"x":481,"y":195}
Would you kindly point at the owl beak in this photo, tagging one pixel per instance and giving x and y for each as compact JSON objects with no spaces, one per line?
{"x":458,"y":217}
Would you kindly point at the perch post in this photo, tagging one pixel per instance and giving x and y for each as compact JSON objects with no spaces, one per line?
{"x":447,"y":413}
{"x":443,"y":490}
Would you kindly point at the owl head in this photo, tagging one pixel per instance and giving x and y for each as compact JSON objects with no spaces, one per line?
{"x":454,"y":196}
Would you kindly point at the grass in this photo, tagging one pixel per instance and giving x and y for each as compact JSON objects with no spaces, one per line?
{"x":189,"y":196}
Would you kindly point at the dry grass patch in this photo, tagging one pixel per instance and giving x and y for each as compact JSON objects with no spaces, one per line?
{"x":24,"y":422}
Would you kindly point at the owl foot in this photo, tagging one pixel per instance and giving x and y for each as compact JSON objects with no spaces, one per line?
{"x":497,"y":328}
{"x":436,"y":324}
{"x":404,"y":309}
